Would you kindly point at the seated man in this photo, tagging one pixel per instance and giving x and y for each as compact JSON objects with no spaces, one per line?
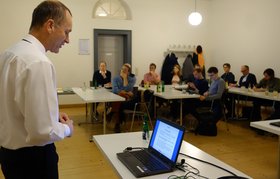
{"x":123,"y":85}
{"x":152,"y":78}
{"x":247,"y":79}
{"x":269,"y":83}
{"x":215,"y":92}
{"x":228,"y":76}
{"x":102,"y":77}
{"x":199,"y":85}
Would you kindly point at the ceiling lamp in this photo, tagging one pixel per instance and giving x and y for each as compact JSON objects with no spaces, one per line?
{"x":195,"y":18}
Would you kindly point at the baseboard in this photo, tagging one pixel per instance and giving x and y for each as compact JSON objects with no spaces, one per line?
{"x":71,"y":105}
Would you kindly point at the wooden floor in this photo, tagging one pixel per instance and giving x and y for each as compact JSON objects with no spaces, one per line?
{"x":240,"y":147}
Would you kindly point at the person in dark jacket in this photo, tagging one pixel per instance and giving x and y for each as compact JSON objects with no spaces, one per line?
{"x":247,"y":79}
{"x":228,"y":76}
{"x":102,"y":77}
{"x":269,"y":83}
{"x":199,"y":85}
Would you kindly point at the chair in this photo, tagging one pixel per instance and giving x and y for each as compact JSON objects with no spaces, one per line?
{"x":141,"y":108}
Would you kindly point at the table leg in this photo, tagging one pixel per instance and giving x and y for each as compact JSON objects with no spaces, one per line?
{"x":155,"y":107}
{"x":104,"y":119}
{"x":278,"y":164}
{"x":181,"y":111}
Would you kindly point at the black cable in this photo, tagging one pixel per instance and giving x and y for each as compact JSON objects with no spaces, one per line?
{"x":133,"y":148}
{"x":209,"y":164}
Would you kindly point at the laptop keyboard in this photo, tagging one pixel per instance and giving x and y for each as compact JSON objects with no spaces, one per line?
{"x":147,"y":160}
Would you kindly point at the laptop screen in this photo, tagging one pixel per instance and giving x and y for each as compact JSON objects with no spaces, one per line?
{"x":167,"y":138}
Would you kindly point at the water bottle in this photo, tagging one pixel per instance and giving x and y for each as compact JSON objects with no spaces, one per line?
{"x":95,"y":84}
{"x":159,"y":88}
{"x":145,"y":134}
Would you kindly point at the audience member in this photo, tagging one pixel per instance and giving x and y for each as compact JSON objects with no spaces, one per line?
{"x":247,"y":79}
{"x":102,"y":77}
{"x":228,"y":76}
{"x":123,"y":85}
{"x":215,"y":92}
{"x":152,"y":78}
{"x":199,"y":85}
{"x":269,"y":83}
{"x":177,"y":75}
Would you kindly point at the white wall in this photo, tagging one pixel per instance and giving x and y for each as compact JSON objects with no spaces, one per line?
{"x":245,"y":32}
{"x":155,"y":25}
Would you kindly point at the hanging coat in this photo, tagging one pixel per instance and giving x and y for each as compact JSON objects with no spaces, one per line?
{"x":167,"y":68}
{"x":187,"y":69}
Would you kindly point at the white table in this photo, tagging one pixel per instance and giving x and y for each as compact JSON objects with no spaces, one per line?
{"x":254,"y":94}
{"x":264,"y":125}
{"x":171,"y":93}
{"x":251,"y":93}
{"x":113,"y":143}
{"x":98,"y":95}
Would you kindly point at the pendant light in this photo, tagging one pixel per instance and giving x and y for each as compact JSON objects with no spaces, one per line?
{"x":195,"y":18}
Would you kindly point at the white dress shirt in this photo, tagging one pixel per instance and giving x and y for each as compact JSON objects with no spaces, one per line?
{"x":29,"y":114}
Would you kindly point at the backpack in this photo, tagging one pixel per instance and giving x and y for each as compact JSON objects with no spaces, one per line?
{"x":206,"y":124}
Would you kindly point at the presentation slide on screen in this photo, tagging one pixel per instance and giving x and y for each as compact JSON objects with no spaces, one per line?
{"x":165,"y":140}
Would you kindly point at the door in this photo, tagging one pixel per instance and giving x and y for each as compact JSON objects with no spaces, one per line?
{"x":113,"y":47}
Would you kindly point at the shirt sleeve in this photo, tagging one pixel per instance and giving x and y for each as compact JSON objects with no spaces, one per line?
{"x":39,"y":106}
{"x":220,"y":91}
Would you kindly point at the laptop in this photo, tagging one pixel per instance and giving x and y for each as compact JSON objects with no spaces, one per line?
{"x":275,"y":123}
{"x":162,"y":153}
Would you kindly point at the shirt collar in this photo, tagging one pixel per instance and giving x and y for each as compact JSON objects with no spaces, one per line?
{"x":30,"y":38}
{"x":101,"y":71}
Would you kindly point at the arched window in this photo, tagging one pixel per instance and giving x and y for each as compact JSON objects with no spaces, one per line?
{"x":111,"y":9}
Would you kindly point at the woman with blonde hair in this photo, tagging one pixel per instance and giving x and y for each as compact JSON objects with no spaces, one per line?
{"x":177,"y":75}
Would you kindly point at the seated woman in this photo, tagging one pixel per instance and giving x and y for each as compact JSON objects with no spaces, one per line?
{"x":176,"y":80}
{"x":123,"y":85}
{"x":102,"y":77}
{"x":177,"y":75}
{"x":152,"y":78}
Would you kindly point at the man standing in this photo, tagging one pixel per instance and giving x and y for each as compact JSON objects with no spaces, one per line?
{"x":30,"y":122}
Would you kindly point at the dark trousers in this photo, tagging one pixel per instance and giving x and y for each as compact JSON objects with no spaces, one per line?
{"x":30,"y":162}
{"x":257,"y":103}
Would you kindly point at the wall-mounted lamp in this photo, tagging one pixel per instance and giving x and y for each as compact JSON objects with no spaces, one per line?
{"x":195,"y":18}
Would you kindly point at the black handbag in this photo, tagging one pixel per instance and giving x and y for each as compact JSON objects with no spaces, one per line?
{"x":206,"y":121}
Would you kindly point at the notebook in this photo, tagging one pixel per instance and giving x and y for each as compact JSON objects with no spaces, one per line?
{"x":161,"y":154}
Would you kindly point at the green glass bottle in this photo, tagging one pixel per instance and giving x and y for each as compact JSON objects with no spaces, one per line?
{"x":145,"y":134}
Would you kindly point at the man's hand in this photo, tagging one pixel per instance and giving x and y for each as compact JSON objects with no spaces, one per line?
{"x":64,"y":119}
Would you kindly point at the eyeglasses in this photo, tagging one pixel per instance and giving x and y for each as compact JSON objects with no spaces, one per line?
{"x":211,"y":74}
